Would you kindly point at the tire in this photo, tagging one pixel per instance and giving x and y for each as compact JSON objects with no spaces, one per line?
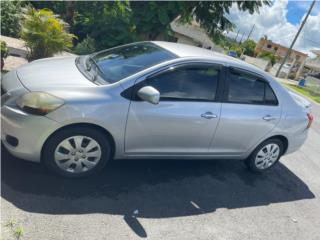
{"x":261,"y":160}
{"x":76,"y":152}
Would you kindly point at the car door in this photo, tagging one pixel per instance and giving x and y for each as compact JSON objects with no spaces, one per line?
{"x":249,"y":111}
{"x":186,"y":117}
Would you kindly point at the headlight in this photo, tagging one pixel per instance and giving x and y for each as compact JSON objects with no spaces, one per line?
{"x":39,"y":103}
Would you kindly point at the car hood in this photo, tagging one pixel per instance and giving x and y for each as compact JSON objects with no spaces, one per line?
{"x":48,"y":73}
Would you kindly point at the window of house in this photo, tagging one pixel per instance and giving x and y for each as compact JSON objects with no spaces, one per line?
{"x":198,"y":82}
{"x":249,"y":89}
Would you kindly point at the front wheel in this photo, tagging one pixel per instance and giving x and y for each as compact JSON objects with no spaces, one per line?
{"x":266,"y":155}
{"x":76,"y":152}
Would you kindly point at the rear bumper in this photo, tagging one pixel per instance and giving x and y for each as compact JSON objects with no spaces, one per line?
{"x":24,"y":134}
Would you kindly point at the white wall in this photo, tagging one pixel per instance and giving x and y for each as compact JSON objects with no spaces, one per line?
{"x":258,"y":62}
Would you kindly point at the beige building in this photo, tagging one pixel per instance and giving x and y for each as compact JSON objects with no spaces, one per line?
{"x":313,"y":65}
{"x":295,"y":61}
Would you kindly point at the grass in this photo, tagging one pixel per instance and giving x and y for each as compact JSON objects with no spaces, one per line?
{"x":17,"y":232}
{"x":313,"y":93}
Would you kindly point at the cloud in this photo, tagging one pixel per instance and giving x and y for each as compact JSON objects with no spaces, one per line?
{"x":272,"y":21}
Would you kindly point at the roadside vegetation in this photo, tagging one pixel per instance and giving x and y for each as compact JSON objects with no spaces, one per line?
{"x":14,"y":231}
{"x":4,"y":52}
{"x":87,"y":26}
{"x":312,"y":92}
{"x":44,"y":33}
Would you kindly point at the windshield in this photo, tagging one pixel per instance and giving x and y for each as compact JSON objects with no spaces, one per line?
{"x":120,"y":62}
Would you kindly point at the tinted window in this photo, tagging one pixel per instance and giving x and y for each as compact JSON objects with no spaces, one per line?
{"x":249,"y":89}
{"x":187,"y":83}
{"x":270,"y":97}
{"x":121,"y":62}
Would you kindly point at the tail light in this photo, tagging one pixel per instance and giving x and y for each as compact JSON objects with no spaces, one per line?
{"x":310,"y":120}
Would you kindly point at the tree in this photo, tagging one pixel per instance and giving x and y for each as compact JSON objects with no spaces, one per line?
{"x":156,"y":16}
{"x":44,"y":33}
{"x":114,"y":23}
{"x":86,"y":46}
{"x":10,"y":18}
{"x":152,"y":19}
{"x":248,"y":47}
{"x":211,"y":15}
{"x":109,"y":23}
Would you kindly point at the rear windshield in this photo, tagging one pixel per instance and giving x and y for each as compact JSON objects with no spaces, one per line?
{"x":121,"y":62}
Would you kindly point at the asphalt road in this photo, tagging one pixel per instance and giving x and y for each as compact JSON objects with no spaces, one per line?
{"x":168,"y":199}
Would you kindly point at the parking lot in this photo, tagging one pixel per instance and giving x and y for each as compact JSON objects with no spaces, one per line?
{"x":168,"y":199}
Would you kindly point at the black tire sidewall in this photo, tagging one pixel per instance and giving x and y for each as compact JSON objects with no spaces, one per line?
{"x":58,"y":137}
{"x":250,"y":161}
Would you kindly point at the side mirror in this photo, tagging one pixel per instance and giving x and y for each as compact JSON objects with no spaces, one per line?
{"x":149,"y":94}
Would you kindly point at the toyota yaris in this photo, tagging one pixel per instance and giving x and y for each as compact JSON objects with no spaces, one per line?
{"x":148,"y":100}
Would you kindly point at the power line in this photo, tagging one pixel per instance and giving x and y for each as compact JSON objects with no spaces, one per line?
{"x":250,"y":31}
{"x":295,"y":38}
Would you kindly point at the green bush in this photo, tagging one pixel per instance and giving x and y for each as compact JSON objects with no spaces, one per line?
{"x":248,"y":47}
{"x":237,"y":49}
{"x":268,"y":56}
{"x":4,"y":53}
{"x":44,"y":33}
{"x":10,"y":18}
{"x":4,"y":49}
{"x":86,"y":46}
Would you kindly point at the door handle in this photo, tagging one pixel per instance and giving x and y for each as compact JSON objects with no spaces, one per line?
{"x":269,"y":118}
{"x":208,"y":115}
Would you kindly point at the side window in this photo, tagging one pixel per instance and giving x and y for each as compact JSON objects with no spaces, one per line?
{"x":249,"y":89}
{"x":197,"y":82}
{"x":270,"y":98}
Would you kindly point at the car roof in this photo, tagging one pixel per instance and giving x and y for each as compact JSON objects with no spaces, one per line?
{"x":184,"y":50}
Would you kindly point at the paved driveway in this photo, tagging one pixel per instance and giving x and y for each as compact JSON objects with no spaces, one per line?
{"x":169,"y":199}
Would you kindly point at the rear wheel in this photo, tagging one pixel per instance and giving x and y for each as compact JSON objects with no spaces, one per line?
{"x":76,"y":152}
{"x":266,"y":155}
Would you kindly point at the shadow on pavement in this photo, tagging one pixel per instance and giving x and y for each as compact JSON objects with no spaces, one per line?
{"x":154,"y":189}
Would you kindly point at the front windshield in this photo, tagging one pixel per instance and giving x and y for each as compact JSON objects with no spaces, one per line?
{"x":120,"y":62}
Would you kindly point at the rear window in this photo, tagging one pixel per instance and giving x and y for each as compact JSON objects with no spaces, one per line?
{"x":121,"y":62}
{"x":249,"y":89}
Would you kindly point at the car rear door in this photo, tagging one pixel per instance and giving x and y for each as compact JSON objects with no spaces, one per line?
{"x":186,"y":117}
{"x":249,"y":111}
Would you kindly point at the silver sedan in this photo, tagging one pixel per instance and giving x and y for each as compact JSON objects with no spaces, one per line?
{"x":148,"y":100}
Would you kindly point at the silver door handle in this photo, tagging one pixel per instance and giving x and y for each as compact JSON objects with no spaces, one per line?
{"x":208,"y":115}
{"x":268,"y":118}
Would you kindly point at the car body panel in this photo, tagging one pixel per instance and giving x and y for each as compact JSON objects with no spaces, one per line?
{"x":59,"y":72}
{"x":242,"y":126}
{"x":170,"y":127}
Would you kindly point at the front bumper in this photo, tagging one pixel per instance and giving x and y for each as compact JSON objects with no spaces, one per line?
{"x":31,"y":131}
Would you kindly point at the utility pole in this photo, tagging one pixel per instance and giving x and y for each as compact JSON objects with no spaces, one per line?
{"x":295,"y":38}
{"x":237,"y":35}
{"x":241,"y":38}
{"x":251,"y":31}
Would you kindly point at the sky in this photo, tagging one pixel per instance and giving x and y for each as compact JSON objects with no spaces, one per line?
{"x":280,"y":22}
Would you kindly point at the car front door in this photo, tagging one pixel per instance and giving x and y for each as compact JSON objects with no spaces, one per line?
{"x":249,"y":111}
{"x":184,"y":121}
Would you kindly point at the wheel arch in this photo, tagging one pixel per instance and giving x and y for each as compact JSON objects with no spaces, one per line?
{"x":283,"y":139}
{"x":89,"y":125}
